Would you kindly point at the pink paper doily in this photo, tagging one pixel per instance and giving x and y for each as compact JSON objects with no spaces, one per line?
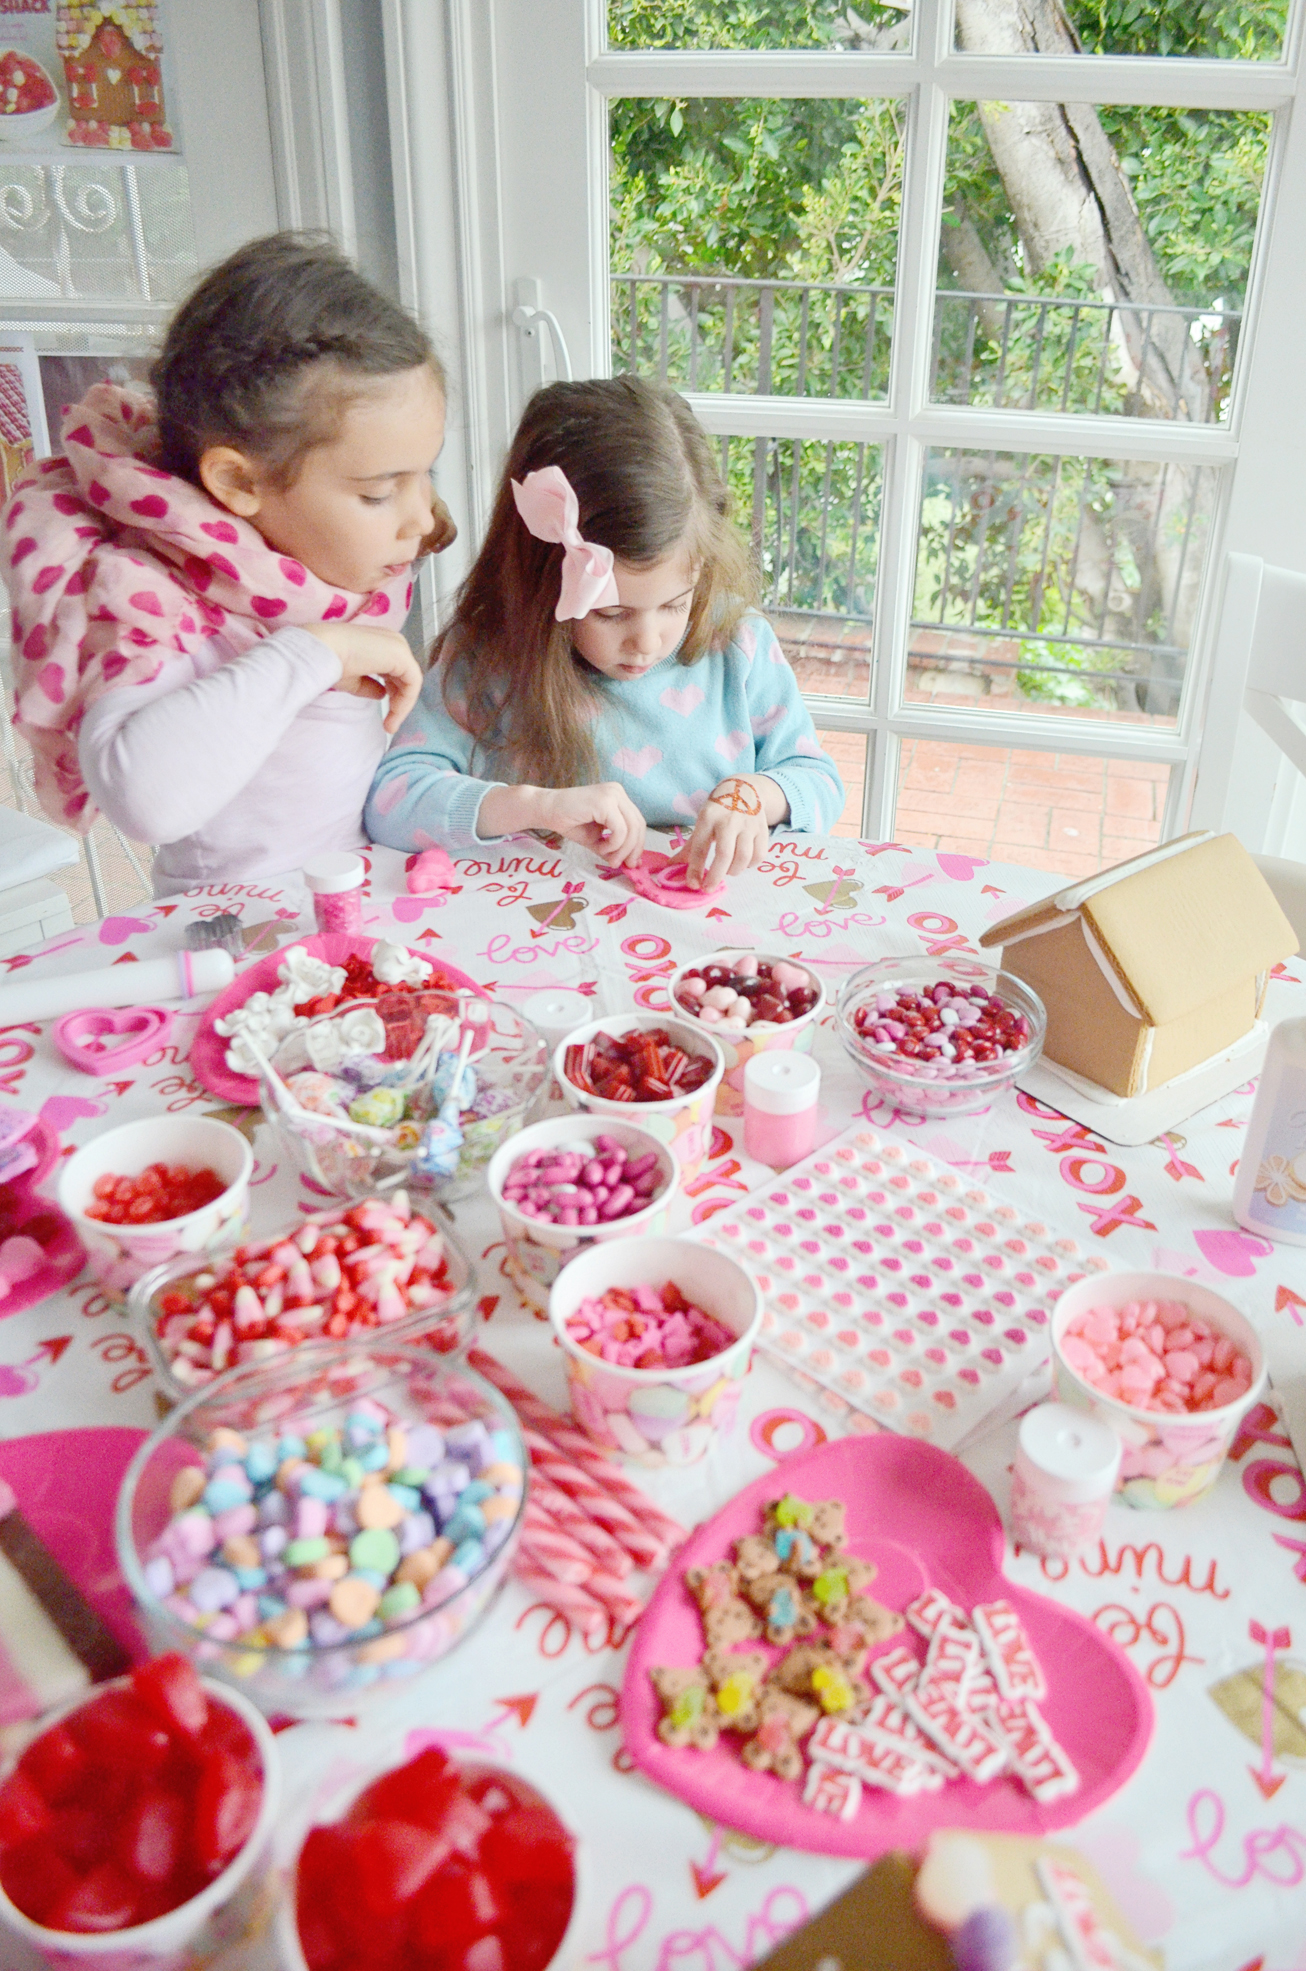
{"x":920,"y":1517}
{"x":209,"y":1050}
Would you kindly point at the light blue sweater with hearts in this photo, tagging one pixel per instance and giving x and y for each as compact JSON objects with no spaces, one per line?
{"x":668,"y":737}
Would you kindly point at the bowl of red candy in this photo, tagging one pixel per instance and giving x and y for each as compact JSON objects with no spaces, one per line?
{"x":753,"y":1002}
{"x":349,"y":1273}
{"x":662,"y":1074}
{"x":143,"y":1193}
{"x":136,"y":1829}
{"x":28,"y":98}
{"x":435,"y":1866}
{"x":939,"y":1036}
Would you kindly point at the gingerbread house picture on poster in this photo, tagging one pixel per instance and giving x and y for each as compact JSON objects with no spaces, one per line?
{"x":87,"y":73}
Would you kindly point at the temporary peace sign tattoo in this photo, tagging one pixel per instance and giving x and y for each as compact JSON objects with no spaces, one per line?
{"x":737,"y":796}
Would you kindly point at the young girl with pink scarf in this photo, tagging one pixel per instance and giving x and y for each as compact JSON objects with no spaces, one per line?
{"x":208,"y":586}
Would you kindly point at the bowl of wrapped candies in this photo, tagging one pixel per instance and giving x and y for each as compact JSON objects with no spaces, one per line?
{"x":376,"y":1268}
{"x":939,"y":1036}
{"x":29,"y":101}
{"x":136,"y":1830}
{"x":314,"y":1529}
{"x":145,"y":1192}
{"x":419,"y":1091}
{"x":662,"y":1074}
{"x":754,"y":1003}
{"x":1172,"y":1366}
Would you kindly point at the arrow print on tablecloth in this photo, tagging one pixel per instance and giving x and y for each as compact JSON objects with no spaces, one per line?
{"x":520,"y":1708}
{"x":707,"y":1876}
{"x":17,"y":1379}
{"x":1265,"y":1776}
{"x":1285,"y":1297}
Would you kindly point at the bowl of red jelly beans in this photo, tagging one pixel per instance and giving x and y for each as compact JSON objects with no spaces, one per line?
{"x":437,"y":1865}
{"x":145,"y":1192}
{"x":1172,"y":1366}
{"x":564,"y":1185}
{"x":939,"y":1036}
{"x":659,"y":1072}
{"x":137,"y":1828}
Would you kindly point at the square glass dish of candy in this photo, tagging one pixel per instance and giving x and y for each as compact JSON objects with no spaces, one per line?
{"x":409,"y":1085}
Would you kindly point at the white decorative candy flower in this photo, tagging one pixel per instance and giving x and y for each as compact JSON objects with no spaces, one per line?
{"x":394,"y":965}
{"x":359,"y":1031}
{"x":308,"y":976}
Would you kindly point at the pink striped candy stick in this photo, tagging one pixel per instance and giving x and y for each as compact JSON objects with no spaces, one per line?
{"x":556,"y":1555}
{"x":581,"y":1610}
{"x":573,"y":1519}
{"x":639,"y":1543}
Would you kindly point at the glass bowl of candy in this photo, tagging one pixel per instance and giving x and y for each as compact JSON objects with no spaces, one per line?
{"x":754,"y":1003}
{"x":373,"y":1269}
{"x":144,"y":1192}
{"x":435,"y":1865}
{"x":137,"y":1829}
{"x":939,"y":1036}
{"x":1172,"y":1366}
{"x":418,"y":1089}
{"x":315,"y":1529}
{"x":645,"y":1068}
{"x":575,"y":1182}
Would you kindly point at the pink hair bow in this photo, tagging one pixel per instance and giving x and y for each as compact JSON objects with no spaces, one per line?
{"x":549,"y":507}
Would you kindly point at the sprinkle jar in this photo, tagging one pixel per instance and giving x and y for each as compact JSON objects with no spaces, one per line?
{"x":1065,"y":1472}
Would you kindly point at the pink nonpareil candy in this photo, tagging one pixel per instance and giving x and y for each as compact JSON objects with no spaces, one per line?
{"x":1156,"y":1355}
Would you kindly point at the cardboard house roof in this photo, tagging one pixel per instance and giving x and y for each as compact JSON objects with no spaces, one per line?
{"x":1171,"y":929}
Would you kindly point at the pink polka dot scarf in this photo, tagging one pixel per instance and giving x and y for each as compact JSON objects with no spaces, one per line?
{"x":113,"y":567}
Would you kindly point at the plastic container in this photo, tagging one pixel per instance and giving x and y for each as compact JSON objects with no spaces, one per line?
{"x":683,"y":1122}
{"x":781,"y":1093}
{"x":1168,"y":1460}
{"x":234,"y":1910}
{"x":1269,"y":1192}
{"x":311,"y":1388}
{"x":1065,"y":1471}
{"x":659,"y":1416}
{"x":336,"y":882}
{"x":120,"y":1254}
{"x":917,"y":1090}
{"x":446,"y":1329}
{"x":538,"y":1251}
{"x":739,"y":1044}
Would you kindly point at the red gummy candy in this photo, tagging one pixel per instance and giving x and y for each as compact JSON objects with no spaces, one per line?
{"x":227,"y":1801}
{"x":170,"y":1689}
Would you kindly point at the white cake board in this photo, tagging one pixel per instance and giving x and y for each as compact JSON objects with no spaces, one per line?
{"x":1131,"y":1119}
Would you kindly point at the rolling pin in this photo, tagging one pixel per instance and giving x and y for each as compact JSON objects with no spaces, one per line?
{"x":181,"y":975}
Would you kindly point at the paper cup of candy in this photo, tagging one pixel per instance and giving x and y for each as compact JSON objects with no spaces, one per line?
{"x":691,"y":1314}
{"x":178,"y":1870}
{"x":1170,"y":1365}
{"x":484,"y":1872}
{"x":317,"y":1529}
{"x":404,"y":1280}
{"x":752,"y":1003}
{"x":660,"y":1073}
{"x":939,"y":1036}
{"x":577,"y":1182}
{"x":145,"y":1192}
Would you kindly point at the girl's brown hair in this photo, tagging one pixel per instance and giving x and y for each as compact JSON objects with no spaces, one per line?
{"x":645,"y":481}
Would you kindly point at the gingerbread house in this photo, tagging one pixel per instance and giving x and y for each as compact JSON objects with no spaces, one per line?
{"x":112,"y":58}
{"x":1150,"y":969}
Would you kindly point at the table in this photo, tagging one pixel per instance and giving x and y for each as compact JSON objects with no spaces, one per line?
{"x":1205,"y":1848}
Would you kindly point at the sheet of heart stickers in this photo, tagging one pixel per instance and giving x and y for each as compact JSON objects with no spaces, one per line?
{"x":910,"y":1294}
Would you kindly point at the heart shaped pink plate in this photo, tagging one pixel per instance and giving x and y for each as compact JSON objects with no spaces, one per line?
{"x":919,"y":1516}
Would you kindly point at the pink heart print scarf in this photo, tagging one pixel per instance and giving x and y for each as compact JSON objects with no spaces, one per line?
{"x":114,"y":566}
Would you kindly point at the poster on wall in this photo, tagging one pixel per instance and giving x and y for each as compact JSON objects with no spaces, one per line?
{"x":23,"y":432}
{"x":86,"y":73}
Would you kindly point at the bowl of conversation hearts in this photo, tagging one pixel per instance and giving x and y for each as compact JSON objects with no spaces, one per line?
{"x":939,"y":1036}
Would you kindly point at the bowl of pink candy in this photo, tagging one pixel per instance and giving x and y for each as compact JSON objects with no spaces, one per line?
{"x":753,"y":1002}
{"x":578,"y":1181}
{"x":1170,"y":1365}
{"x":658,"y":1336}
{"x":939,"y":1036}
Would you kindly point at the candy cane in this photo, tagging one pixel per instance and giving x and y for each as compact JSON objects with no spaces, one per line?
{"x":581,"y":1609}
{"x":555,"y":1554}
{"x":639,"y":1543}
{"x":571,"y":1518}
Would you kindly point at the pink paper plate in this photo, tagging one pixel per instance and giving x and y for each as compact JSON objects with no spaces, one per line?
{"x":208,"y":1049}
{"x":66,"y":1483}
{"x":26,"y":1215}
{"x":920,"y":1517}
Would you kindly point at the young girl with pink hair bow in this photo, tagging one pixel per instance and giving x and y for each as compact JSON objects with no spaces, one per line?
{"x":603,"y":671}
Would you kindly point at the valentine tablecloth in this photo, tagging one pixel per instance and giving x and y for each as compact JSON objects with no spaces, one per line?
{"x":1205,"y":1848}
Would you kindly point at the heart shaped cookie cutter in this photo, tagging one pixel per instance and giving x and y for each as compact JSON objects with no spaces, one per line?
{"x":88,"y":1039}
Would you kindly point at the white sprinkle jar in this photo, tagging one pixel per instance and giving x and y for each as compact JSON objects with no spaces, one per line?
{"x":1065,"y":1472}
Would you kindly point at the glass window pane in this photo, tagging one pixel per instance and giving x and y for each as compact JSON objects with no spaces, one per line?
{"x":1056,"y":811}
{"x":850,"y":752}
{"x":757,"y":24}
{"x":1058,"y":584}
{"x":100,"y":231}
{"x":1127,"y":300}
{"x":754,"y":243}
{"x":1244,"y":30}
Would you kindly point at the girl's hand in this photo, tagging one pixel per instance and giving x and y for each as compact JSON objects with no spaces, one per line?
{"x":602,"y":818}
{"x":733,"y":828}
{"x":374,"y":662}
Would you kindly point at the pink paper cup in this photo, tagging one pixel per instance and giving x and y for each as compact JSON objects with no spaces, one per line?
{"x":683,"y":1122}
{"x":657,"y":1417}
{"x":739,"y":1044}
{"x":120,"y":1254}
{"x":1169,"y":1460}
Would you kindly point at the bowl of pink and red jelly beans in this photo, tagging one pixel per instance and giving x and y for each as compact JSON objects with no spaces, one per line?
{"x":137,"y":1827}
{"x":658,"y":1336}
{"x":143,"y":1193}
{"x":314,"y":1529}
{"x":939,"y":1036}
{"x":1170,"y":1365}
{"x":660,"y":1073}
{"x":753,"y":1003}
{"x":435,"y":1866}
{"x":349,"y":1273}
